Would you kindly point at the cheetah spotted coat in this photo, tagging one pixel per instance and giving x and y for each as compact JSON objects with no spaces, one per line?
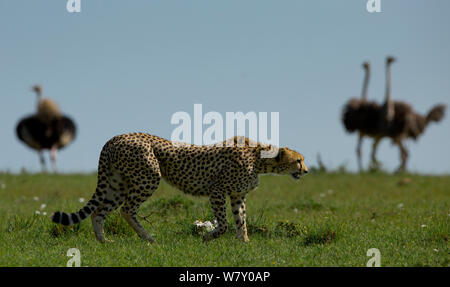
{"x":131,"y":167}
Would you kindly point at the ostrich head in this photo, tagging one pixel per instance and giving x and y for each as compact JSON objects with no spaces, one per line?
{"x":390,"y":60}
{"x":366,"y":66}
{"x":37,"y":89}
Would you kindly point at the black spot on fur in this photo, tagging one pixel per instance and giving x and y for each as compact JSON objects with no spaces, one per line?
{"x":57,"y":217}
{"x":65,"y":219}
{"x":75,"y":218}
{"x":106,"y":201}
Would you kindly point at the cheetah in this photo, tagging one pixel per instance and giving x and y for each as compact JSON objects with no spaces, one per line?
{"x":131,"y":167}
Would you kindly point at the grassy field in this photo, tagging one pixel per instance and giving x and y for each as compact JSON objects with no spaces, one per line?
{"x":323,"y":220}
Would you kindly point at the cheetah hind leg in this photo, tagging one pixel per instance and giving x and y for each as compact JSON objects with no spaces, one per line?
{"x":99,"y":216}
{"x":136,"y":197}
{"x":97,"y":224}
{"x":114,"y":192}
{"x":129,"y":212}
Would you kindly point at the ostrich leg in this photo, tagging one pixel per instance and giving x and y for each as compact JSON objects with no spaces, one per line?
{"x":374,"y":163}
{"x":42,"y":160}
{"x":53,"y":154}
{"x":403,"y":156}
{"x":358,"y":151}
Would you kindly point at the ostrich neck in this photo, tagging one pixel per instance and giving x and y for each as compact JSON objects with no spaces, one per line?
{"x":365,"y":85}
{"x":39,"y":99}
{"x":388,"y":83}
{"x":390,"y":109}
{"x":39,"y":96}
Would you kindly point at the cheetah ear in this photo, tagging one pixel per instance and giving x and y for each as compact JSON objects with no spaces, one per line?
{"x":280,"y":155}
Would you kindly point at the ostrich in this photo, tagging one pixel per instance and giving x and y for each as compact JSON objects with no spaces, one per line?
{"x":361,"y":115}
{"x":394,"y":119}
{"x":398,"y":121}
{"x":47,"y":129}
{"x":385,"y":115}
{"x":407,"y":124}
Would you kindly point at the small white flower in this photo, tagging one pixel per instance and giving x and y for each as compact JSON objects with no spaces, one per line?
{"x":322,"y":195}
{"x":435,"y":250}
{"x":423,"y":226}
{"x":37,"y":212}
{"x":36,"y":198}
{"x":44,"y":213}
{"x":198,"y":223}
{"x":81,"y":199}
{"x":207,"y":224}
{"x":43,"y":206}
{"x":330,"y":191}
{"x":400,"y":205}
{"x":295,"y":210}
{"x":2,"y":186}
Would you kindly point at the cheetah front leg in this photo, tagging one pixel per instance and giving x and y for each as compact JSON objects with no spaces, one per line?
{"x":218,"y":205}
{"x":238,"y":209}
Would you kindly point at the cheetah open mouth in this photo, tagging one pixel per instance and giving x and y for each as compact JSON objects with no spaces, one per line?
{"x":295,"y":175}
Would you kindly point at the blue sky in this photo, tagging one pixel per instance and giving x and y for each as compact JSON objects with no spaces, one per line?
{"x":124,"y":66}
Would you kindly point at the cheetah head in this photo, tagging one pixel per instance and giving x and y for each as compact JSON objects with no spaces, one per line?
{"x":290,"y":162}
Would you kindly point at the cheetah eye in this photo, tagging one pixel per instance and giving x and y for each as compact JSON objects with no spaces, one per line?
{"x":299,"y":160}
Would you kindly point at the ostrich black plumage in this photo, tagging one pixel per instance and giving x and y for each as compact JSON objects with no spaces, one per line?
{"x":48,"y":129}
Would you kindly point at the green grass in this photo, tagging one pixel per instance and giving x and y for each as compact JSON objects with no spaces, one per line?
{"x":323,"y":220}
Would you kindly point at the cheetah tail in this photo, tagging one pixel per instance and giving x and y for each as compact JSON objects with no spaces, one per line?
{"x":76,"y":217}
